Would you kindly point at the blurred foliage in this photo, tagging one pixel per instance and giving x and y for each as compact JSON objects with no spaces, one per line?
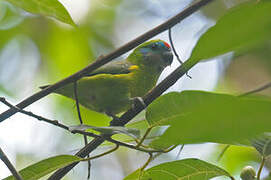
{"x":35,"y":50}
{"x":243,"y":34}
{"x":237,"y":157}
{"x":219,"y":7}
{"x":51,"y":8}
{"x":9,"y":16}
{"x":256,"y":71}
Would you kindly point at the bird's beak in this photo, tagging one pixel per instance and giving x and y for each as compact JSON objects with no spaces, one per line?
{"x":168,"y":57}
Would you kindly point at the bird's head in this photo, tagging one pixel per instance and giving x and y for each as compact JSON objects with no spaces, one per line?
{"x":154,"y":53}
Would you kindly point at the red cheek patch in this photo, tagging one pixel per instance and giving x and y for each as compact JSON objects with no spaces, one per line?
{"x":166,"y":44}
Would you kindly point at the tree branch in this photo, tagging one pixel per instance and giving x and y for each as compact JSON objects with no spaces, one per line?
{"x":56,"y":123}
{"x":12,"y":169}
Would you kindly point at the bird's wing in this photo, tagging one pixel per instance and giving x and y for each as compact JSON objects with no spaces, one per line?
{"x":114,"y":67}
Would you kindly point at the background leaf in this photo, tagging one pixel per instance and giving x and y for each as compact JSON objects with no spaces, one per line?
{"x":186,"y":169}
{"x":246,"y":30}
{"x":52,"y":8}
{"x":46,"y":166}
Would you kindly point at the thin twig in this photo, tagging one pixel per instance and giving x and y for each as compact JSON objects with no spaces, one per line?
{"x":144,"y":137}
{"x":53,"y":122}
{"x":173,"y":47}
{"x":170,"y":149}
{"x":179,"y":152}
{"x":223,"y":152}
{"x":103,"y":154}
{"x":174,"y":50}
{"x":260,"y":169}
{"x":77,"y":102}
{"x":79,"y":131}
{"x":11,"y":168}
{"x":160,"y":153}
{"x":266,"y":86}
{"x":147,"y":163}
{"x":123,"y":144}
{"x":81,"y":121}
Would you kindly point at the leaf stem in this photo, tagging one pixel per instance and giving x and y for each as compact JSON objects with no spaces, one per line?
{"x":223,"y":152}
{"x":147,"y":162}
{"x":261,"y":168}
{"x":144,"y":136}
{"x":103,"y":154}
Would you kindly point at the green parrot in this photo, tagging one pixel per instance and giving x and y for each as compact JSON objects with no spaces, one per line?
{"x":112,"y":88}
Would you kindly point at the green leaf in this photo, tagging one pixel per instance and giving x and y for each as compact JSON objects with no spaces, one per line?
{"x":46,"y":166}
{"x":186,"y":169}
{"x":51,"y":8}
{"x":197,"y":116}
{"x":263,"y":144}
{"x":239,"y":28}
{"x":132,"y":132}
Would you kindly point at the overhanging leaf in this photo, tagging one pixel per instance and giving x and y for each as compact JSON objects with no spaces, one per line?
{"x":197,"y":117}
{"x":132,"y":132}
{"x":46,"y":166}
{"x":239,"y":28}
{"x":186,"y":169}
{"x":52,"y":8}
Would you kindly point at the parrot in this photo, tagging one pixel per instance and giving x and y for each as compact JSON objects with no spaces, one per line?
{"x":113,"y":88}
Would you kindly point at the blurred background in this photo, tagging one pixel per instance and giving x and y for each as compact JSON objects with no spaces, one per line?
{"x":36,"y":51}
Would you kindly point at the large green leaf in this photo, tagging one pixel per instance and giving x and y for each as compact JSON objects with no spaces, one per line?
{"x":196,"y":117}
{"x":46,"y":166}
{"x":52,"y":8}
{"x":187,"y":169}
{"x":241,"y":27}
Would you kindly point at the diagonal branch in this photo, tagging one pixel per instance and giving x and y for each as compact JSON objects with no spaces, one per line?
{"x":107,"y":58}
{"x":12,"y":169}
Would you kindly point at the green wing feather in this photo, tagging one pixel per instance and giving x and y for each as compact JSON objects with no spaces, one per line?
{"x":114,"y":67}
